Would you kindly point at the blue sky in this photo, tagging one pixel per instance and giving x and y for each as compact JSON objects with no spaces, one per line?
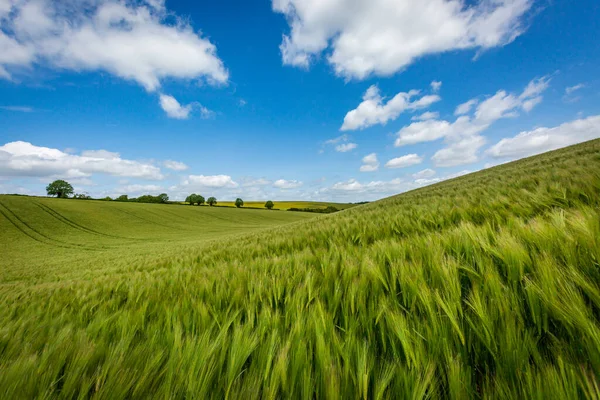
{"x":290,"y":99}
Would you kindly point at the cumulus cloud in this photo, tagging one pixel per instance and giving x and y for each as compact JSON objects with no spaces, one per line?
{"x":284,"y":184}
{"x":175,"y":165}
{"x":133,"y":40}
{"x":404,"y":161}
{"x":545,"y":139}
{"x":345,"y":147}
{"x":380,"y":37}
{"x":463,"y":136}
{"x":178,"y":111}
{"x":210,"y":181}
{"x":172,"y":107}
{"x":23,"y":159}
{"x":466,"y":107}
{"x":426,"y":173}
{"x":370,"y":163}
{"x":424,"y":181}
{"x":426,"y":116}
{"x":436,"y":86}
{"x":373,"y":110}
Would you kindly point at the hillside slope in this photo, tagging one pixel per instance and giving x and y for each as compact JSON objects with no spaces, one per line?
{"x":485,"y":286}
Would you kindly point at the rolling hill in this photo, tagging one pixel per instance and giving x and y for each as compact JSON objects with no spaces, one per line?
{"x":484,"y":286}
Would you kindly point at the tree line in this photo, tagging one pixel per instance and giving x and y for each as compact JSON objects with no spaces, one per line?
{"x":194,"y":198}
{"x":63,"y":189}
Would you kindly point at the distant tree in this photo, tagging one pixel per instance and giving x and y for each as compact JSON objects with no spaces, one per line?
{"x":192,"y":199}
{"x":211,"y":201}
{"x":82,"y":196}
{"x":122,"y":197}
{"x":163,"y":197}
{"x":107,"y":198}
{"x":239,"y":202}
{"x":269,"y":204}
{"x":59,"y":188}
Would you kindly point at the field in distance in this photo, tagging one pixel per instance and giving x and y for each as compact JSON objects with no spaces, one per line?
{"x":42,"y":234}
{"x":286,"y":205}
{"x":485,"y":286}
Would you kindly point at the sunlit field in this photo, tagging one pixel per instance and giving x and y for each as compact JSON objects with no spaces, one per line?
{"x":484,"y":286}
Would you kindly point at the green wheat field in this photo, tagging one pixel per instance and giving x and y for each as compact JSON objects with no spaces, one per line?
{"x":486,"y":286}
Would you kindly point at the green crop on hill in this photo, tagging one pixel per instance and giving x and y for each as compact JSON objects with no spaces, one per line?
{"x":485,"y":286}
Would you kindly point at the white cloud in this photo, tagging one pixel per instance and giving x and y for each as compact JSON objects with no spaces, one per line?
{"x":341,"y":144}
{"x":535,"y":87}
{"x":436,"y":86}
{"x":569,"y":90}
{"x":463,"y":151}
{"x":465,"y":108}
{"x":404,"y":161}
{"x":545,"y":139}
{"x":463,"y":136}
{"x":352,"y":185}
{"x":528,"y":105}
{"x":175,"y":110}
{"x":104,"y":154}
{"x":369,"y":167}
{"x":569,"y":96}
{"x":423,"y":131}
{"x":423,"y":181}
{"x":27,"y":160}
{"x":345,"y":147}
{"x":210,"y":181}
{"x":172,"y":107}
{"x":381,"y":37}
{"x":426,"y":173}
{"x":370,"y":163}
{"x":175,"y":165}
{"x":132,"y":40}
{"x":373,"y":110}
{"x":17,"y":108}
{"x":342,"y":138}
{"x":426,"y":116}
{"x":283,"y":184}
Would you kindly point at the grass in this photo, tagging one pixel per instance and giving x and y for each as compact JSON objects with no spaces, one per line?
{"x":285,"y":205}
{"x":486,"y":286}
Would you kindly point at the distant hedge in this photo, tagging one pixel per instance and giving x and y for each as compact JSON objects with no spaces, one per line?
{"x":327,"y":210}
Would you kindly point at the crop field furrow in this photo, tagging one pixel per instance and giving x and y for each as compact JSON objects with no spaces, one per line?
{"x":26,"y":229}
{"x":19,"y":227}
{"x":67,"y":221}
{"x":151,"y":221}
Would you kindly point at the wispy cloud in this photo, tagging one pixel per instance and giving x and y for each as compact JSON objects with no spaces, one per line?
{"x":24,"y":109}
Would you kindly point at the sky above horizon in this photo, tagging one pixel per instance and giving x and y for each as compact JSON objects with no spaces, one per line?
{"x":321,"y":100}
